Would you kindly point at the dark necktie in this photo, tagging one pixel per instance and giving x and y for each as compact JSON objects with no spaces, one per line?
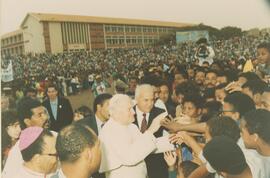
{"x":144,"y":124}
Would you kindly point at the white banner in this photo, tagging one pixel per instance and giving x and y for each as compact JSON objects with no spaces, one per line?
{"x":7,"y":74}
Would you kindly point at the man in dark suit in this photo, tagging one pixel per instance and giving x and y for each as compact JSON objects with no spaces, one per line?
{"x":96,"y":122}
{"x":145,"y":112}
{"x":59,"y":108}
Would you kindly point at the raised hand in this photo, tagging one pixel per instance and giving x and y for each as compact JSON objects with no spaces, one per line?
{"x":156,"y":122}
{"x":233,"y":86}
{"x":171,"y":125}
{"x":170,"y":158}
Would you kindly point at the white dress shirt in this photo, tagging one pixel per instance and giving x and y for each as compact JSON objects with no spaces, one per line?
{"x":140,"y":117}
{"x":99,"y":123}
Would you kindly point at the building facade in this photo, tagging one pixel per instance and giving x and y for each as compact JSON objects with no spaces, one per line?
{"x":12,"y":43}
{"x":55,"y":33}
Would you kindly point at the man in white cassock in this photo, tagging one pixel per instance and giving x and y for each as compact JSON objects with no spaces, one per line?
{"x":123,"y":146}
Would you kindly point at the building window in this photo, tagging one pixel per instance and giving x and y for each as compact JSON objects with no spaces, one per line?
{"x":114,"y":41}
{"x":108,"y":28}
{"x":127,"y":28}
{"x":114,"y":29}
{"x":20,"y":37}
{"x":120,"y":28}
{"x":20,"y":49}
{"x":145,"y":29}
{"x":108,"y":41}
{"x":145,"y":40}
{"x":134,"y":41}
{"x":133,"y":29}
{"x":121,"y":39}
{"x":128,"y":40}
{"x":139,"y":39}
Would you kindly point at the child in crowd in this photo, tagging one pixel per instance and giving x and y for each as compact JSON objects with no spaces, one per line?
{"x":192,"y":109}
{"x":263,"y":50}
{"x":10,"y":132}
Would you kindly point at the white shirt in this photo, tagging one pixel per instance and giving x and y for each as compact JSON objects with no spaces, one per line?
{"x":25,"y":172}
{"x":91,"y":78}
{"x":140,"y":117}
{"x":159,"y":104}
{"x":59,"y":174}
{"x":210,"y":57}
{"x":99,"y":123}
{"x":259,"y":165}
{"x":14,"y":162}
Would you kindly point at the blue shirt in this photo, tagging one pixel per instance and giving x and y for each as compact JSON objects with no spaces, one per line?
{"x":54,"y":108}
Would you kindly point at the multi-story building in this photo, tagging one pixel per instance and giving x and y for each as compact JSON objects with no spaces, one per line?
{"x":55,"y":33}
{"x":12,"y":43}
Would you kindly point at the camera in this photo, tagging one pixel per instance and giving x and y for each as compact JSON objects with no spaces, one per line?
{"x":202,"y":51}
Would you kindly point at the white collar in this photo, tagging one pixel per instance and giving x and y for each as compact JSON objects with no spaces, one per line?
{"x":29,"y":171}
{"x":98,"y":120}
{"x":61,"y":174}
{"x":117,"y":124}
{"x":54,"y":102}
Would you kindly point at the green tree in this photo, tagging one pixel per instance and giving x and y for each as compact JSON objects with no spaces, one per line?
{"x":230,"y":32}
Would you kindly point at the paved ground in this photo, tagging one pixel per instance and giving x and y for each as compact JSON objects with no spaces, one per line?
{"x":85,"y":97}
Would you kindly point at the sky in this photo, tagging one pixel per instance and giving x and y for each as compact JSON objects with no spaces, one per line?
{"x":245,"y":14}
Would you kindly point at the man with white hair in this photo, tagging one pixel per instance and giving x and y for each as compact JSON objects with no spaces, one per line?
{"x":145,"y":114}
{"x":124,"y":147}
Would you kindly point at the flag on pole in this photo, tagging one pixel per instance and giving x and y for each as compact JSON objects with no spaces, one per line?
{"x":7,"y":74}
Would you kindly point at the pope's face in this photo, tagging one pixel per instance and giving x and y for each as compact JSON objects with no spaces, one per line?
{"x":125,"y":112}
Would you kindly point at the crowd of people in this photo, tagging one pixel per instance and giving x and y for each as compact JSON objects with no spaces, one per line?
{"x":75,"y":70}
{"x":173,"y":113}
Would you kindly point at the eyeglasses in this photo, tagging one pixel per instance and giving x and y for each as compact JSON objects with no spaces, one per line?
{"x":227,"y":110}
{"x":50,"y":154}
{"x":224,"y":111}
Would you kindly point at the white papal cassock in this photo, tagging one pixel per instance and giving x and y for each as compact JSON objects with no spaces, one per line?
{"x":124,"y":148}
